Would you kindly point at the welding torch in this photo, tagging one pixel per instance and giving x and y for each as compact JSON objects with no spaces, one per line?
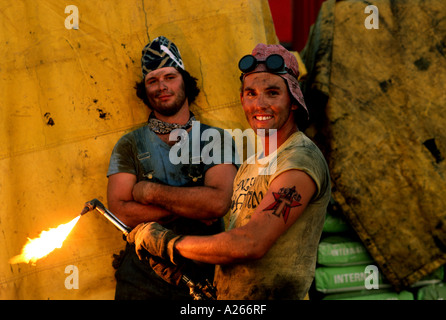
{"x":197,"y":290}
{"x":96,"y":204}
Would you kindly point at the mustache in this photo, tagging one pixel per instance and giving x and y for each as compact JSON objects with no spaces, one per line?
{"x":163,"y":92}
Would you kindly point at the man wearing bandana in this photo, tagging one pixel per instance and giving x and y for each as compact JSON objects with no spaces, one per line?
{"x":144,"y":185}
{"x":279,"y":200}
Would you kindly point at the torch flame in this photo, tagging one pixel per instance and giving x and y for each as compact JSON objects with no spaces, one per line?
{"x":45,"y":243}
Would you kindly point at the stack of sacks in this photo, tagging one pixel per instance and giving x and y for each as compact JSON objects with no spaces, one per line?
{"x":432,"y":292}
{"x":432,"y":287}
{"x":382,"y":294}
{"x":344,"y":266}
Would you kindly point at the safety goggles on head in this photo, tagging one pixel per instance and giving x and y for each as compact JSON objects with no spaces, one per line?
{"x":274,"y":64}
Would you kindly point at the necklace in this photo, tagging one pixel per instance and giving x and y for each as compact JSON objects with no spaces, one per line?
{"x":161,"y":127}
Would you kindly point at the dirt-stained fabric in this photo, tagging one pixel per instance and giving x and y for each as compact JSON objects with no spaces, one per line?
{"x":379,"y":96}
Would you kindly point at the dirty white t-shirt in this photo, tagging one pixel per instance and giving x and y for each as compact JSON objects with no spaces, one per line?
{"x":287,"y":270}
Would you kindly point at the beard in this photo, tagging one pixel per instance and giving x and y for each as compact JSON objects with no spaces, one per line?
{"x":169,"y":108}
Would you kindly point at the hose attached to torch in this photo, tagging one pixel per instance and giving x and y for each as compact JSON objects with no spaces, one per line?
{"x":197,"y":290}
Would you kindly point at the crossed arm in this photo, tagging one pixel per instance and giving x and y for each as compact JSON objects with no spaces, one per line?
{"x":134,"y":203}
{"x":266,"y":225}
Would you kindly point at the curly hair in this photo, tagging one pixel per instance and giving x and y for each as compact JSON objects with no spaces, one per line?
{"x":190,"y":87}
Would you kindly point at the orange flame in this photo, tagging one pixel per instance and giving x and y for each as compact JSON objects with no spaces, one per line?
{"x":45,"y":243}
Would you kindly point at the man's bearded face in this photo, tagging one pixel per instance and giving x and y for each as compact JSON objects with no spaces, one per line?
{"x":165,"y":91}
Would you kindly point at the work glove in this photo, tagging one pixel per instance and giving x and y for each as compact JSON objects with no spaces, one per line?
{"x":167,"y":271}
{"x":153,"y":238}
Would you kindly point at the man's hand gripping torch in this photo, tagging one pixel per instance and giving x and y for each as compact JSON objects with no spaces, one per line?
{"x":197,"y":290}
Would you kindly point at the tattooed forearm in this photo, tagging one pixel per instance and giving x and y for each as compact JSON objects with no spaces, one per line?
{"x":285,"y":199}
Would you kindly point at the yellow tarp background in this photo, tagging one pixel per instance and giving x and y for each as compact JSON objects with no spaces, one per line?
{"x":66,"y":97}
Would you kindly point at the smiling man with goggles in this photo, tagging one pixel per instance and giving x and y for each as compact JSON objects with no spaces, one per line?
{"x":274,"y":64}
{"x":275,"y":59}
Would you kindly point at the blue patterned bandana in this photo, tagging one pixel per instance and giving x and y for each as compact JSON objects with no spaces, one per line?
{"x":160,"y":53}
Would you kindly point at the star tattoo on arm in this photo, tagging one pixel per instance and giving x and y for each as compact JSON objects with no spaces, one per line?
{"x":285,"y":199}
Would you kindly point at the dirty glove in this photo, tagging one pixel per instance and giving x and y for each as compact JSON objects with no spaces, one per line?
{"x":167,"y":271}
{"x":155,"y":239}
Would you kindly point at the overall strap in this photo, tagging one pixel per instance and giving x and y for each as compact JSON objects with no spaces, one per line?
{"x":143,"y":154}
